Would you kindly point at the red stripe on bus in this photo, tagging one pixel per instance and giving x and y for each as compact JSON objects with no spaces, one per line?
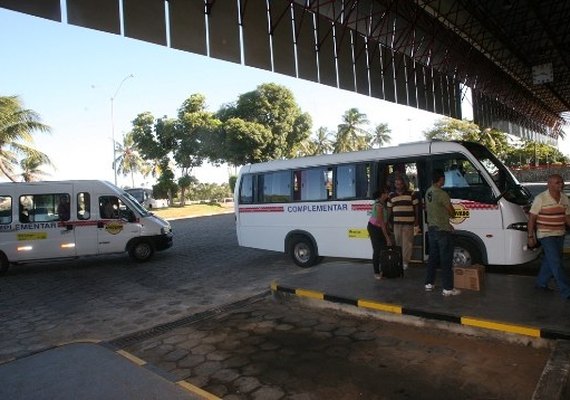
{"x":261,"y":209}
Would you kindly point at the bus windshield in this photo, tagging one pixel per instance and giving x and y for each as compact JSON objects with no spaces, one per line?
{"x":508,"y":185}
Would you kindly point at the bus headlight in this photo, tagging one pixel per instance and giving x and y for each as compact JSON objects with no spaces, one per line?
{"x":518,"y":226}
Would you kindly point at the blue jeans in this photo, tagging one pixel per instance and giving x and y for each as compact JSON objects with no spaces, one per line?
{"x":440,"y":254}
{"x":552,"y":265}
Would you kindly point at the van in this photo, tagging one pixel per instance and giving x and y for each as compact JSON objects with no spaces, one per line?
{"x":42,"y":221}
{"x":145,"y":197}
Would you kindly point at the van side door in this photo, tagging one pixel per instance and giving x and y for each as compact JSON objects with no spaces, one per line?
{"x":44,"y":227}
{"x":86,"y":236}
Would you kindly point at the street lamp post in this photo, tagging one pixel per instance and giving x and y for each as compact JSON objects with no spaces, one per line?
{"x":113,"y":124}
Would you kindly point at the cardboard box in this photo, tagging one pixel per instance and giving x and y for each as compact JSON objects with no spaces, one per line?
{"x":471,"y":278}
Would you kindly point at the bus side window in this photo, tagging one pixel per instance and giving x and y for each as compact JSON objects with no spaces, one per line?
{"x":277,"y":187}
{"x":246,"y":189}
{"x":313,"y":184}
{"x":346,"y":182}
{"x":83,"y":206}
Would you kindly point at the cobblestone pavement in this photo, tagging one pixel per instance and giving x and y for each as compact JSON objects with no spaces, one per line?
{"x":286,"y":350}
{"x":261,"y":350}
{"x":106,"y":297}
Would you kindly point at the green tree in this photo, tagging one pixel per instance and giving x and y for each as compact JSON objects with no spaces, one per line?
{"x":452,"y":129}
{"x":16,"y":142}
{"x":381,"y":135}
{"x":322,"y":143}
{"x":31,"y":167}
{"x":194,"y":127}
{"x":155,"y":140}
{"x":243,"y":142}
{"x":185,"y":183}
{"x":129,"y":161}
{"x":274,"y":108}
{"x":351,"y":134}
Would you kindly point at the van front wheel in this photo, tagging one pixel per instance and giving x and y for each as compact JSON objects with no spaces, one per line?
{"x":4,"y":264}
{"x":141,"y":251}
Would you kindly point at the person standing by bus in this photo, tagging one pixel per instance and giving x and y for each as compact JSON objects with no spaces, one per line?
{"x":440,"y":234}
{"x":403,"y":212}
{"x":548,"y":217}
{"x":378,"y":230}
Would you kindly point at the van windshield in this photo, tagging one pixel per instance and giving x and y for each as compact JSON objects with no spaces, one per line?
{"x":508,"y":185}
{"x":134,"y":204}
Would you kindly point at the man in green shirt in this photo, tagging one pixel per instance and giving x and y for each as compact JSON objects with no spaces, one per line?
{"x":440,"y":234}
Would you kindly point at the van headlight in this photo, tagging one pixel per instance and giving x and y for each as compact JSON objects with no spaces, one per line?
{"x":165,"y":230}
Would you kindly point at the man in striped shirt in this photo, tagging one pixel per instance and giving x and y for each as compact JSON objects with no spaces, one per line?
{"x":403,"y":209}
{"x":549,"y":215}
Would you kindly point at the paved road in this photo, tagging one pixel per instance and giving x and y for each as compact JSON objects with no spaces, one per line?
{"x":106,"y":297}
{"x":256,"y":349}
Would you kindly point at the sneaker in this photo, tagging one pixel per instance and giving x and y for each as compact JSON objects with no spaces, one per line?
{"x":451,"y":292}
{"x":429,"y":287}
{"x":378,"y":276}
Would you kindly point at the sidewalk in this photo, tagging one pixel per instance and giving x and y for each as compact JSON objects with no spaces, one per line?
{"x":507,"y":305}
{"x":87,"y":371}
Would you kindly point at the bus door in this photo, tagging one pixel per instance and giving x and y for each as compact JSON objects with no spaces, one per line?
{"x":43,"y":227}
{"x":412,"y":171}
{"x":478,"y":220}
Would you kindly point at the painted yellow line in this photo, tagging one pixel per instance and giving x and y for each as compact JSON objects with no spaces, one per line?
{"x":380,"y":306}
{"x":196,"y":390}
{"x":499,"y":326}
{"x":94,"y":341}
{"x":131,"y":357}
{"x":309,"y":293}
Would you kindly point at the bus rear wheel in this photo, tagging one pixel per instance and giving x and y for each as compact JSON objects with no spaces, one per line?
{"x":465,"y":254}
{"x":303,"y":252}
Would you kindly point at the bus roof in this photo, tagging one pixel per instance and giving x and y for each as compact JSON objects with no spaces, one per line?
{"x":400,"y":151}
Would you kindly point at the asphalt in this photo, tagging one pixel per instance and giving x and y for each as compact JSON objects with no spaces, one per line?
{"x":507,"y":305}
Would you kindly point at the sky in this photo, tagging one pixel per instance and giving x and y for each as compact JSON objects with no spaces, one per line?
{"x":69,"y":74}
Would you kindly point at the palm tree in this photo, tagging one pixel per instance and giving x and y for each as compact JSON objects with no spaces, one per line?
{"x":351,"y":136}
{"x":31,"y":167}
{"x":381,"y":135}
{"x":322,"y":143}
{"x":129,"y":160}
{"x":16,"y":127}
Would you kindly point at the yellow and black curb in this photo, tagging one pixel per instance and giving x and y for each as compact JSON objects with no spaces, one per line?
{"x":195,"y":390}
{"x":465,"y":320}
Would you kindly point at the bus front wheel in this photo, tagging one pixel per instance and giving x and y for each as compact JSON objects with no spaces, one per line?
{"x":303,"y":252}
{"x":465,"y":254}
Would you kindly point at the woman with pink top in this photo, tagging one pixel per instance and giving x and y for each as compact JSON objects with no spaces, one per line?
{"x":378,"y":229}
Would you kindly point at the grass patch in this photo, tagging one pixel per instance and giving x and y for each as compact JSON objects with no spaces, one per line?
{"x":192,"y":210}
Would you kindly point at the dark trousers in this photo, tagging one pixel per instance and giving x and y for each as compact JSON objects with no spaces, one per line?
{"x":378,"y":243}
{"x":440,"y":254}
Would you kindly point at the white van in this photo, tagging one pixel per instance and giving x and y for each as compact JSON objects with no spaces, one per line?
{"x":42,"y":221}
{"x":145,"y":197}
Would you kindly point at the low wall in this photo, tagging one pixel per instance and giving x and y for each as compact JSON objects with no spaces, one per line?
{"x":542,"y":174}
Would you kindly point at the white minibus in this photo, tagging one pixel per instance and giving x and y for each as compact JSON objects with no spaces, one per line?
{"x":42,"y":221}
{"x":319,"y":206}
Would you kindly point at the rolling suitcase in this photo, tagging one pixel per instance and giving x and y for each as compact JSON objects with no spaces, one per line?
{"x":391,"y":262}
